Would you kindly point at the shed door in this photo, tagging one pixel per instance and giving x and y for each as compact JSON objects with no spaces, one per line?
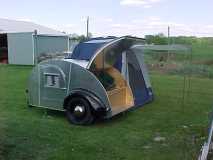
{"x":20,"y":48}
{"x":136,"y":79}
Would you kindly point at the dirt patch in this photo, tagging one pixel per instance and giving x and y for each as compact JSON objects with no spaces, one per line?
{"x":164,"y":67}
{"x":204,"y":62}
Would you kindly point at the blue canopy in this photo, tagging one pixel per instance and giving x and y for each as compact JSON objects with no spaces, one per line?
{"x":86,"y":50}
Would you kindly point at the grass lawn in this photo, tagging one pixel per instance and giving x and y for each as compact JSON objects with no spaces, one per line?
{"x":41,"y":134}
{"x":202,"y":52}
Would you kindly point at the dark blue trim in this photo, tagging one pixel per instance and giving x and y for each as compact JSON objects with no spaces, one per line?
{"x":118,"y":64}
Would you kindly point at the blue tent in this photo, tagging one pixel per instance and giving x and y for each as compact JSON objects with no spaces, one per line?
{"x":85,"y":50}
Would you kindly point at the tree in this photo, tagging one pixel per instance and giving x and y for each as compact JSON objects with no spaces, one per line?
{"x":80,"y":38}
{"x":156,"y":39}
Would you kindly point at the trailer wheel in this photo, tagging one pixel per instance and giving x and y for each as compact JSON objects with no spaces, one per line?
{"x":29,"y":105}
{"x":79,"y":111}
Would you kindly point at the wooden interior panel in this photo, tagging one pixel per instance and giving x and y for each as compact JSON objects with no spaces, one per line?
{"x":99,"y":62}
{"x":120,"y":97}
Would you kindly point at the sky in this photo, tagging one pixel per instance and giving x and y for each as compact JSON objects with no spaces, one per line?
{"x":116,"y":17}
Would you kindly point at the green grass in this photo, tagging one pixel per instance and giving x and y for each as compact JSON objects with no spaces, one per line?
{"x":202,"y":51}
{"x":41,"y":134}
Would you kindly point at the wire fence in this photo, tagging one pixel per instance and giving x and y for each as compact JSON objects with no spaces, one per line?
{"x":182,"y":80}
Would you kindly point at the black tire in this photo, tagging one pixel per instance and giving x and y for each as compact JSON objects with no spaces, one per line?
{"x":28,"y":105}
{"x":79,"y":112}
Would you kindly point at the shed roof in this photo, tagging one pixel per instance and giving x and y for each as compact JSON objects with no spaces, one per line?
{"x":15,"y":26}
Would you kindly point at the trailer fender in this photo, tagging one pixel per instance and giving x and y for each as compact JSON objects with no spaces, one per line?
{"x":98,"y":107}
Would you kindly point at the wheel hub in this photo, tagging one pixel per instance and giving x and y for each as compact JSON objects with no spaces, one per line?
{"x":79,"y":111}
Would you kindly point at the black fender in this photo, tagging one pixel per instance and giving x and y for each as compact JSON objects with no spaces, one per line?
{"x":97,"y":105}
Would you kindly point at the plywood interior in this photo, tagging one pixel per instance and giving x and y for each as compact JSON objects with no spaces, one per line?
{"x":98,"y":62}
{"x":120,"y":94}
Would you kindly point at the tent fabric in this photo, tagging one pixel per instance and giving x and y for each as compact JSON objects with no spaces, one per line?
{"x":136,"y":80}
{"x":86,"y":50}
{"x":118,"y":63}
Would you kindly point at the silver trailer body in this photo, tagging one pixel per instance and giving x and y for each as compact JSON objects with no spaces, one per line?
{"x":51,"y":82}
{"x":113,"y":78}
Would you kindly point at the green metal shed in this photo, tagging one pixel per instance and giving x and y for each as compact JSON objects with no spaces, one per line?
{"x":22,"y":43}
{"x":23,"y":48}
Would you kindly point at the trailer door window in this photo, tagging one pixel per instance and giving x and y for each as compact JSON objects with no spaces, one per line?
{"x":52,"y":80}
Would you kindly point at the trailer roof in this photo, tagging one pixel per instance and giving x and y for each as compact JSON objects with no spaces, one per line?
{"x":86,"y":50}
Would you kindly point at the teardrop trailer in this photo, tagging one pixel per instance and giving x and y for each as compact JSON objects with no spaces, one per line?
{"x":101,"y":78}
